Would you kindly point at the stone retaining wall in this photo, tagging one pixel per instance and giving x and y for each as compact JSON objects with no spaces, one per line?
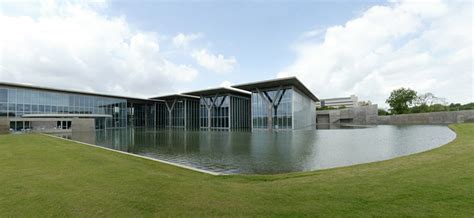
{"x":446,"y":117}
{"x":362,"y":115}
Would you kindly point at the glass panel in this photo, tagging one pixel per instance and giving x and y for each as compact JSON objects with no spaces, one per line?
{"x":3,"y":95}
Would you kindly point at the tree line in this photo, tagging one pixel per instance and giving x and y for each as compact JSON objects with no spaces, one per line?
{"x":406,"y":101}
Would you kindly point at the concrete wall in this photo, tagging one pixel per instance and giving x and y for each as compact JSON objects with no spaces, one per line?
{"x":43,"y":125}
{"x":446,"y":117}
{"x":82,"y":124}
{"x":4,"y":125}
{"x":363,"y":115}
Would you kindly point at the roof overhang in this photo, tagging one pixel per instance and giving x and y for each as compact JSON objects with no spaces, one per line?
{"x":175,"y":96}
{"x":18,"y":85}
{"x":220,"y":90}
{"x":67,"y":116}
{"x":275,"y":83}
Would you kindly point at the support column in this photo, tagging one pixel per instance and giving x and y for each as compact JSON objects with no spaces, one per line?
{"x":269,"y":110}
{"x":169,"y":111}
{"x":156,"y":111}
{"x":229,"y":114}
{"x":208,"y":107}
{"x":185,"y":113}
{"x":146,"y":116}
{"x":277,"y":100}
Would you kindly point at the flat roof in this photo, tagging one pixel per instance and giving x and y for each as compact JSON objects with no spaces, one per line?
{"x":219,"y":90}
{"x":18,"y":85}
{"x":274,"y":83}
{"x":174,"y":96}
{"x":65,"y":115}
{"x":337,"y":99}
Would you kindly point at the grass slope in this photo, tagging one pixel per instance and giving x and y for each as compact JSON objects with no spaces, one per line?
{"x":43,"y":176}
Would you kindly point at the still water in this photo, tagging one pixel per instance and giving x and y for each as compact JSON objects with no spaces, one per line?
{"x":263,"y":152}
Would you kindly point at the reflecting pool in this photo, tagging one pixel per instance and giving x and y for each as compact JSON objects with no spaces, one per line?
{"x":264,"y":152}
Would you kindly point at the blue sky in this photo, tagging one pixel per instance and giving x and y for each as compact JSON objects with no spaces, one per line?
{"x":151,"y":48}
{"x":258,"y":33}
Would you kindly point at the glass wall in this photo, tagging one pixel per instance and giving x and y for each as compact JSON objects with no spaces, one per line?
{"x":16,"y":102}
{"x":204,"y":106}
{"x":281,"y":108}
{"x":225,"y":112}
{"x":304,"y":111}
{"x":218,"y":107}
{"x":141,"y":114}
{"x":192,"y":113}
{"x":161,"y":115}
{"x":184,"y":113}
{"x":240,"y":113}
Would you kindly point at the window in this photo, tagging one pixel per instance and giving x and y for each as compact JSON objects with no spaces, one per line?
{"x":3,"y":95}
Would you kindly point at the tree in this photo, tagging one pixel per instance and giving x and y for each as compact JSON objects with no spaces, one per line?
{"x":400,"y":100}
{"x":383,"y":112}
{"x":429,"y":99}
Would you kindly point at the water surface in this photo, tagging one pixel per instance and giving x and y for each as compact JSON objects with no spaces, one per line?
{"x":263,"y":152}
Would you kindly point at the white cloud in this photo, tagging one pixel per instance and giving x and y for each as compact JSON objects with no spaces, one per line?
{"x":217,"y":63}
{"x":182,"y":40}
{"x":426,"y":46}
{"x":312,"y":33}
{"x":73,"y":46}
{"x":226,"y":84}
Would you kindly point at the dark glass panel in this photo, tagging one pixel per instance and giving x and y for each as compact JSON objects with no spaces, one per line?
{"x":3,"y":95}
{"x":3,"y":107}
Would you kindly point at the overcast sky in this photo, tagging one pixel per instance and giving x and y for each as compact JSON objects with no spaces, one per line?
{"x":145,"y":49}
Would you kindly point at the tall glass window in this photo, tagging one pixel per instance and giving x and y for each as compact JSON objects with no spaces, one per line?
{"x":274,"y":101}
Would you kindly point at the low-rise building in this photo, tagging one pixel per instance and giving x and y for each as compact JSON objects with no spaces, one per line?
{"x":284,"y":103}
{"x":273,"y":104}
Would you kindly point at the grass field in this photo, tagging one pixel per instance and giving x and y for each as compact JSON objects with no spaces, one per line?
{"x":44,"y":176}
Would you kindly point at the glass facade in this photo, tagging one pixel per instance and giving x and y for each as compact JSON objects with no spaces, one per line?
{"x":224,"y":112}
{"x":179,"y":113}
{"x":192,"y":113}
{"x":215,"y":112}
{"x":281,"y":103}
{"x":141,"y":114}
{"x":304,"y":111}
{"x":15,"y":102}
{"x":240,"y":113}
{"x":284,"y":107}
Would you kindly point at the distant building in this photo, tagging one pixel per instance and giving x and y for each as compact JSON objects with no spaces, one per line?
{"x":347,"y":102}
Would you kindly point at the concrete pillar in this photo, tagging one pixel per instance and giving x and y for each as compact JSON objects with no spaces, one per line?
{"x":209,"y":118}
{"x":170,"y":109}
{"x":269,"y":110}
{"x":155,"y":116}
{"x":185,"y":114}
{"x":4,"y":125}
{"x":270,"y":116}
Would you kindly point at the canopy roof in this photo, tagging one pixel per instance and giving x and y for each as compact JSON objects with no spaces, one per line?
{"x":275,"y":83}
{"x":220,"y":90}
{"x":175,"y":96}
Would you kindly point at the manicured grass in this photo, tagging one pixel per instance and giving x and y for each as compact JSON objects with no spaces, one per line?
{"x":43,"y":176}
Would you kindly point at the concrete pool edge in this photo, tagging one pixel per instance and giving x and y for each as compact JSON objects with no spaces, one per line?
{"x":214,"y":173}
{"x":140,"y":156}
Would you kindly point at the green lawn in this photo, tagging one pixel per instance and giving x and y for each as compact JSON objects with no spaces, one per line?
{"x":44,"y":176}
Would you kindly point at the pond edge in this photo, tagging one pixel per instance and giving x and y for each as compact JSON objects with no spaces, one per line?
{"x":140,"y":156}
